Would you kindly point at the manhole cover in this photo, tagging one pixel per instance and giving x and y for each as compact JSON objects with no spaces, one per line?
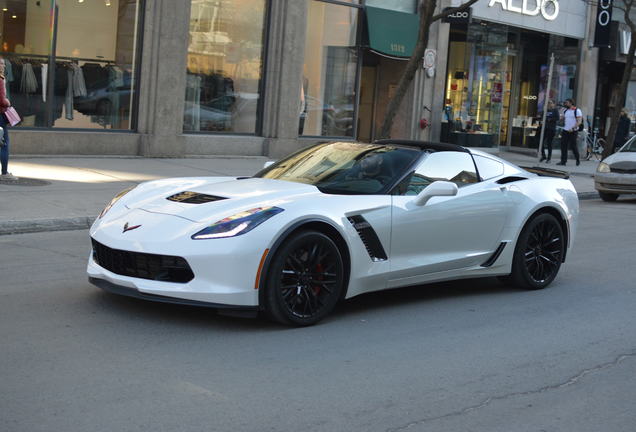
{"x":25,"y":181}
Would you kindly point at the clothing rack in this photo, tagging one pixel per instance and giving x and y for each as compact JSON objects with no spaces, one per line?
{"x":12,"y":54}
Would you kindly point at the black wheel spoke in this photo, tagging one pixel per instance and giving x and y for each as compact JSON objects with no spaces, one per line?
{"x":543,"y":251}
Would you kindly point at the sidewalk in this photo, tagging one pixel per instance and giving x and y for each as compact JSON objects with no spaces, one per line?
{"x":64,"y":193}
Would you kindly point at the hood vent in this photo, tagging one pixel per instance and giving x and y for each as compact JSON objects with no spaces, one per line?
{"x":189,"y":197}
{"x":369,"y":238}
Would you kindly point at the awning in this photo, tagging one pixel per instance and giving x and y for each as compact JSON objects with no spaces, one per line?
{"x":391,"y":32}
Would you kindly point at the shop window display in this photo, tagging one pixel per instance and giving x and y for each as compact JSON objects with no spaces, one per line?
{"x":224,"y":66}
{"x":76,"y":71}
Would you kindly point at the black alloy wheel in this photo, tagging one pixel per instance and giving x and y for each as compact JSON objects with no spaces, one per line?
{"x":538,"y":253}
{"x":305,"y":279}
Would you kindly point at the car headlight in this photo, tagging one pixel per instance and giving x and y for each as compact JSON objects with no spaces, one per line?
{"x":237,"y":224}
{"x":603,"y":168}
{"x":114,"y":200}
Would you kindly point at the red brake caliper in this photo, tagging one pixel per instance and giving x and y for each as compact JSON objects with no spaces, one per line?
{"x":319,"y":270}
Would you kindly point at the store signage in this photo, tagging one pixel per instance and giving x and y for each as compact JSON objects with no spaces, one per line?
{"x":625,"y":40}
{"x":530,"y":97}
{"x":549,"y":9}
{"x":603,"y":19}
{"x":462,"y":17}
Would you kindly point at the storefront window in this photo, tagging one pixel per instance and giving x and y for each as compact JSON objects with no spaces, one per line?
{"x":329,"y":73}
{"x":87,"y":79}
{"x":477,"y":87}
{"x":224,"y":66}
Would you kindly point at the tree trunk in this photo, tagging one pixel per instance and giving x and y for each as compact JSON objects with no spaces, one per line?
{"x":426,"y":15}
{"x":622,"y":91}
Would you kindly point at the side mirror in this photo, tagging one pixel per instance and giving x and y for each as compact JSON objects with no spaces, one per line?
{"x":268,"y":163}
{"x":438,"y":188}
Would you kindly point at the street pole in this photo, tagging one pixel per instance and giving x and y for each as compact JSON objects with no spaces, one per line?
{"x":546,"y":98}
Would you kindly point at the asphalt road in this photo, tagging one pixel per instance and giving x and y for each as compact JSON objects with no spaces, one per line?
{"x":467,"y":356}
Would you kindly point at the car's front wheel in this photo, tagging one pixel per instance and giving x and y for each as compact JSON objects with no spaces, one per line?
{"x":305,"y":279}
{"x":608,"y":197}
{"x":538,"y":253}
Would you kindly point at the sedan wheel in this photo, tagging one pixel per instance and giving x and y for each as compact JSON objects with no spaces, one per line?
{"x":305,"y":279}
{"x":539,"y":253}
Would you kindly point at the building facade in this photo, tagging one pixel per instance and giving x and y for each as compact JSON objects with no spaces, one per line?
{"x":172,"y":78}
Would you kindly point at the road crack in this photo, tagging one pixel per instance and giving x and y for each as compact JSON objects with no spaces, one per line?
{"x":570,"y":381}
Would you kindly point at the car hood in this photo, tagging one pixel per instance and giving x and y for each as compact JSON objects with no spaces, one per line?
{"x":227,"y":196}
{"x":628,"y":158}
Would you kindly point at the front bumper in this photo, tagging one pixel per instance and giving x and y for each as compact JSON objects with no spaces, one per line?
{"x":131,"y":292}
{"x":615,"y":183}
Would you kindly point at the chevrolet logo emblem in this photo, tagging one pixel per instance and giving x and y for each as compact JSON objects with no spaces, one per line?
{"x":129,"y":228}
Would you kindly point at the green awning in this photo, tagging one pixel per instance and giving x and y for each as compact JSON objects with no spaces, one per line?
{"x":391,"y":32}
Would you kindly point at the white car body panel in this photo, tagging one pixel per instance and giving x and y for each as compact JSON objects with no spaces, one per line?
{"x":459,"y":234}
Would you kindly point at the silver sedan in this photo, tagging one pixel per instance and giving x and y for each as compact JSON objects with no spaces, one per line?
{"x":616,"y":174}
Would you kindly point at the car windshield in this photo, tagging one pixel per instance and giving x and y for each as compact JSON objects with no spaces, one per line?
{"x":630,"y":146}
{"x":345,"y":168}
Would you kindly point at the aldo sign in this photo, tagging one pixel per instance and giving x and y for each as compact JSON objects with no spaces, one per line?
{"x":549,"y":9}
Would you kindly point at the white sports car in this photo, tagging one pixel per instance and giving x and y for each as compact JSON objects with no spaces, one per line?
{"x":333,"y":221}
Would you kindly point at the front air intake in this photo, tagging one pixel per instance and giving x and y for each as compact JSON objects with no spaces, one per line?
{"x":165,"y":268}
{"x":190,"y":197}
{"x":369,"y":238}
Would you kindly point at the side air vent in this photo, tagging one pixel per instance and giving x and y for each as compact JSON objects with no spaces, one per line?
{"x":189,"y":197}
{"x":510,"y":179}
{"x":490,"y":261}
{"x":369,"y":238}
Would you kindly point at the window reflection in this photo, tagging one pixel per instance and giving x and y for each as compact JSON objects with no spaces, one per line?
{"x":224,"y":65}
{"x":89,"y":83}
{"x":455,"y":167}
{"x":329,"y":73}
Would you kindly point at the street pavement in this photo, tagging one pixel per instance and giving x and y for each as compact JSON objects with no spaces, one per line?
{"x":471,"y":355}
{"x":66,"y":193}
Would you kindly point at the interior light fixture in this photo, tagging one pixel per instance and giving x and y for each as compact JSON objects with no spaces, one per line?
{"x":14,"y":16}
{"x":107,"y":2}
{"x":80,"y":1}
{"x":4,"y":9}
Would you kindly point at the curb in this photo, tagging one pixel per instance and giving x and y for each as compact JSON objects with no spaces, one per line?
{"x":85,"y":222}
{"x":43,"y":225}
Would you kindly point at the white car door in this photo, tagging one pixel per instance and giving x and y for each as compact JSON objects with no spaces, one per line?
{"x":448,"y":232}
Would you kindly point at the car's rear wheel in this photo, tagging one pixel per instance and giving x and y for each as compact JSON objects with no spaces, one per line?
{"x":609,"y":197}
{"x":538,"y":253}
{"x":305,"y":279}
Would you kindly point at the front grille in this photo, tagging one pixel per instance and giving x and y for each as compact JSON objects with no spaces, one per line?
{"x":622,"y":170}
{"x":190,"y":197}
{"x":163,"y":268}
{"x":618,"y":187}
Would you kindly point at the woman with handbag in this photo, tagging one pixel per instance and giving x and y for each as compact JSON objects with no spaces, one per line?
{"x":4,"y":124}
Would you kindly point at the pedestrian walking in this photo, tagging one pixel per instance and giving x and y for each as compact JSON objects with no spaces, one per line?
{"x":4,"y":124}
{"x":573,"y":118}
{"x":549,"y":130}
{"x":622,"y":131}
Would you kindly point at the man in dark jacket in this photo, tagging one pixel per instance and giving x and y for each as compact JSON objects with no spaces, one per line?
{"x":551,"y":119}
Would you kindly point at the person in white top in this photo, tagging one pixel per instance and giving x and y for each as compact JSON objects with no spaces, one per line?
{"x":572,"y":119}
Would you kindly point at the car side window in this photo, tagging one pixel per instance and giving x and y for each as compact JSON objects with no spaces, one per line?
{"x":456,"y":167}
{"x":488,"y":168}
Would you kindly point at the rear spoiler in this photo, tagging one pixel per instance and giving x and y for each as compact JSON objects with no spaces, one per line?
{"x":547,"y":172}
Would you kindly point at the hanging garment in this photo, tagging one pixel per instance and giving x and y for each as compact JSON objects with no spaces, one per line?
{"x":79,"y":85}
{"x":29,"y":83}
{"x":8,"y":76}
{"x":45,"y":70}
{"x":68,"y":105}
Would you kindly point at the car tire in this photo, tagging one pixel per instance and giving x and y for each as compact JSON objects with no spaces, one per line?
{"x":538,"y":253}
{"x":305,"y":279}
{"x":608,"y":197}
